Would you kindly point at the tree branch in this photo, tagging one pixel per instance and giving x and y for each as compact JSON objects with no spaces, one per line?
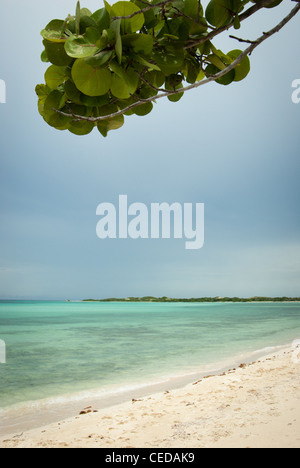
{"x":213,"y":78}
{"x":242,"y":17}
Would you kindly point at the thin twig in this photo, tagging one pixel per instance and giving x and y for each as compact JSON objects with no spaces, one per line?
{"x":242,"y":40}
{"x":218,"y":31}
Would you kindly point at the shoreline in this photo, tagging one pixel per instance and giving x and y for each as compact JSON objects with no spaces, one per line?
{"x":154,"y":399}
{"x":33,"y":414}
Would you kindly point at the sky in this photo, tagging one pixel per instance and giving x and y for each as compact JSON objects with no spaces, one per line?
{"x":235,"y":149}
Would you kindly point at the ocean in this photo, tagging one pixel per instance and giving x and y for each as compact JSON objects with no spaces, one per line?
{"x":67,"y":353}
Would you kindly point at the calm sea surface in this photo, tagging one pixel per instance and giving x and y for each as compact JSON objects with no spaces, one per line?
{"x":58,"y":348}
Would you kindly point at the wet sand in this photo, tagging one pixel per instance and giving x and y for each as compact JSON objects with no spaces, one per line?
{"x":254,"y":405}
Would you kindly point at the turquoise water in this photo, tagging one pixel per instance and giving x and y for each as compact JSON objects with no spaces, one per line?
{"x":57,"y":348}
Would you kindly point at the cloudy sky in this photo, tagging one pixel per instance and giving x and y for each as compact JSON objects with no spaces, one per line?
{"x":234,"y":148}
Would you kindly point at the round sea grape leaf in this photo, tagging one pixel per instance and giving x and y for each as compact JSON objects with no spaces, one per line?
{"x":143,"y":109}
{"x":119,"y":87}
{"x":141,"y":43}
{"x":102,"y":19}
{"x":155,"y":77}
{"x":44,"y":56}
{"x":104,"y":126}
{"x":227,"y":79}
{"x":124,"y":86}
{"x":55,"y":76}
{"x":169,"y":61}
{"x":243,"y":69}
{"x":72,"y":93}
{"x":96,"y":101}
{"x":191,"y":8}
{"x":56,"y":53}
{"x":80,"y":47}
{"x":53,"y":36}
{"x":92,"y":81}
{"x":85,"y":12}
{"x":81,"y":127}
{"x":216,"y":61}
{"x":171,"y":87}
{"x":54,"y":31}
{"x":272,"y":5}
{"x":55,"y":101}
{"x":87,"y":22}
{"x":124,"y":82}
{"x":58,"y":121}
{"x":100,"y":58}
{"x":218,"y":13}
{"x":125,"y":8}
{"x":42,"y":92}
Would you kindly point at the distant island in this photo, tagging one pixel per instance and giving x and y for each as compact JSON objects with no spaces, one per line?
{"x":201,"y":299}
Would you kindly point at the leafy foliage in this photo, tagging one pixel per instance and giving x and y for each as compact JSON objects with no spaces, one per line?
{"x":103,"y":62}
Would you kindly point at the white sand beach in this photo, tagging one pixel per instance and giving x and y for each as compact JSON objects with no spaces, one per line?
{"x":254,"y":406}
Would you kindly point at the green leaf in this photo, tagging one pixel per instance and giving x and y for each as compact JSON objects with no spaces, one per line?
{"x":80,"y":47}
{"x":143,"y":109}
{"x":55,"y":76}
{"x":170,"y":60}
{"x":92,"y":81}
{"x":107,"y":7}
{"x":56,"y":25}
{"x":216,"y":61}
{"x":243,"y":69}
{"x":191,"y":8}
{"x":81,"y":127}
{"x":100,"y":59}
{"x":156,"y":78}
{"x":87,"y":22}
{"x":201,"y":76}
{"x":104,"y":126}
{"x":124,"y":82}
{"x":77,"y":19}
{"x":140,"y":43}
{"x":176,"y":97}
{"x":44,"y":56}
{"x":144,"y":62}
{"x":173,"y":83}
{"x":227,"y":79}
{"x":56,"y":53}
{"x":85,"y":12}
{"x":42,"y":92}
{"x":218,"y":13}
{"x":53,"y":36}
{"x":102,"y":19}
{"x":72,"y":93}
{"x":237,"y":22}
{"x":125,"y":8}
{"x":115,"y":27}
{"x":55,"y":100}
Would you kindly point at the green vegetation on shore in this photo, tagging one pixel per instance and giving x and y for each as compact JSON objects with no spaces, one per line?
{"x":202,"y":299}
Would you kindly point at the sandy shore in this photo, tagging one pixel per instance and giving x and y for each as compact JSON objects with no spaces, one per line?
{"x":255,"y":405}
